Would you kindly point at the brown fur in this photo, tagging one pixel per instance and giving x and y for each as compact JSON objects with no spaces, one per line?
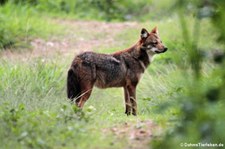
{"x":120,"y":69}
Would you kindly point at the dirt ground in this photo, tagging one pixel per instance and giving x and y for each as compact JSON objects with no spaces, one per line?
{"x":79,"y":36}
{"x":137,"y":135}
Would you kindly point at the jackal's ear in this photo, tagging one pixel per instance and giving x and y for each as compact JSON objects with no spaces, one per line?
{"x":155,"y":30}
{"x":144,"y":33}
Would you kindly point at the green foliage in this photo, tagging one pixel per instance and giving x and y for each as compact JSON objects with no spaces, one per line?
{"x":201,"y":119}
{"x":20,"y":23}
{"x":31,"y":2}
{"x":6,"y":37}
{"x":25,"y":128}
{"x":111,"y":10}
{"x":19,"y":19}
{"x":102,"y":10}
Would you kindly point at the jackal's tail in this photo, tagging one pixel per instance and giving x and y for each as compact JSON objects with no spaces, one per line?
{"x":73,"y":87}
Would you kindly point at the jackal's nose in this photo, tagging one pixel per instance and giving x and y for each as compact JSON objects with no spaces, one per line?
{"x":165,"y":49}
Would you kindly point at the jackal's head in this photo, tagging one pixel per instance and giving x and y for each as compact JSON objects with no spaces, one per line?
{"x":151,"y":42}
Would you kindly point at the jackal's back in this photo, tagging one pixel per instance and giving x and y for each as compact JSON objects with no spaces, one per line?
{"x":104,"y":70}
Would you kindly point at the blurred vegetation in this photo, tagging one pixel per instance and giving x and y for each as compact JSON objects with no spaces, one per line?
{"x":201,"y":116}
{"x":19,"y":19}
{"x":21,"y":23}
{"x":107,"y":10}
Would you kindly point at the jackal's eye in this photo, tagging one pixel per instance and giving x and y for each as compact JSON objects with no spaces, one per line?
{"x":154,"y":43}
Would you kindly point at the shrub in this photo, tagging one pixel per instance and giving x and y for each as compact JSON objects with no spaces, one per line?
{"x":200,"y":119}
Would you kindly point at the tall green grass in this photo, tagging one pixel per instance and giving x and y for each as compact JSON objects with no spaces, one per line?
{"x":36,"y":114}
{"x":19,"y":24}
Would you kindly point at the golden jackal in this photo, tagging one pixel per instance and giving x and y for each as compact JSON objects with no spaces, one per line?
{"x":120,"y":69}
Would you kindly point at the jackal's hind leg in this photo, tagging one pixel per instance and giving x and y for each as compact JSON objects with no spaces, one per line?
{"x":86,"y":90}
{"x":83,"y":99}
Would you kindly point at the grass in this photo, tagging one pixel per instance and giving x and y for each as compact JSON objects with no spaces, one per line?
{"x":20,"y":24}
{"x":36,"y":114}
{"x":29,"y":120}
{"x":34,"y":111}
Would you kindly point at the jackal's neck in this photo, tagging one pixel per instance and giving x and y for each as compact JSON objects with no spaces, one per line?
{"x":134,"y":50}
{"x":143,"y":56}
{"x":131,"y":49}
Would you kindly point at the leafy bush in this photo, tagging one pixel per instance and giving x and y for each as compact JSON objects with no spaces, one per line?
{"x":200,"y":119}
{"x":102,"y":10}
{"x":6,"y":36}
{"x":26,"y":128}
{"x":31,"y":2}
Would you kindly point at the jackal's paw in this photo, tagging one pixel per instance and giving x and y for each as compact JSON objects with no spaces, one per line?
{"x":128,"y":113}
{"x":134,"y":113}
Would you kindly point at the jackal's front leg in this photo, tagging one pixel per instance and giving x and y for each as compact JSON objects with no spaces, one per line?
{"x":127,"y":101}
{"x":132,"y":95}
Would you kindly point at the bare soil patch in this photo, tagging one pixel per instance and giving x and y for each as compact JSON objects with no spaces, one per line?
{"x":137,"y":135}
{"x":79,"y":36}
